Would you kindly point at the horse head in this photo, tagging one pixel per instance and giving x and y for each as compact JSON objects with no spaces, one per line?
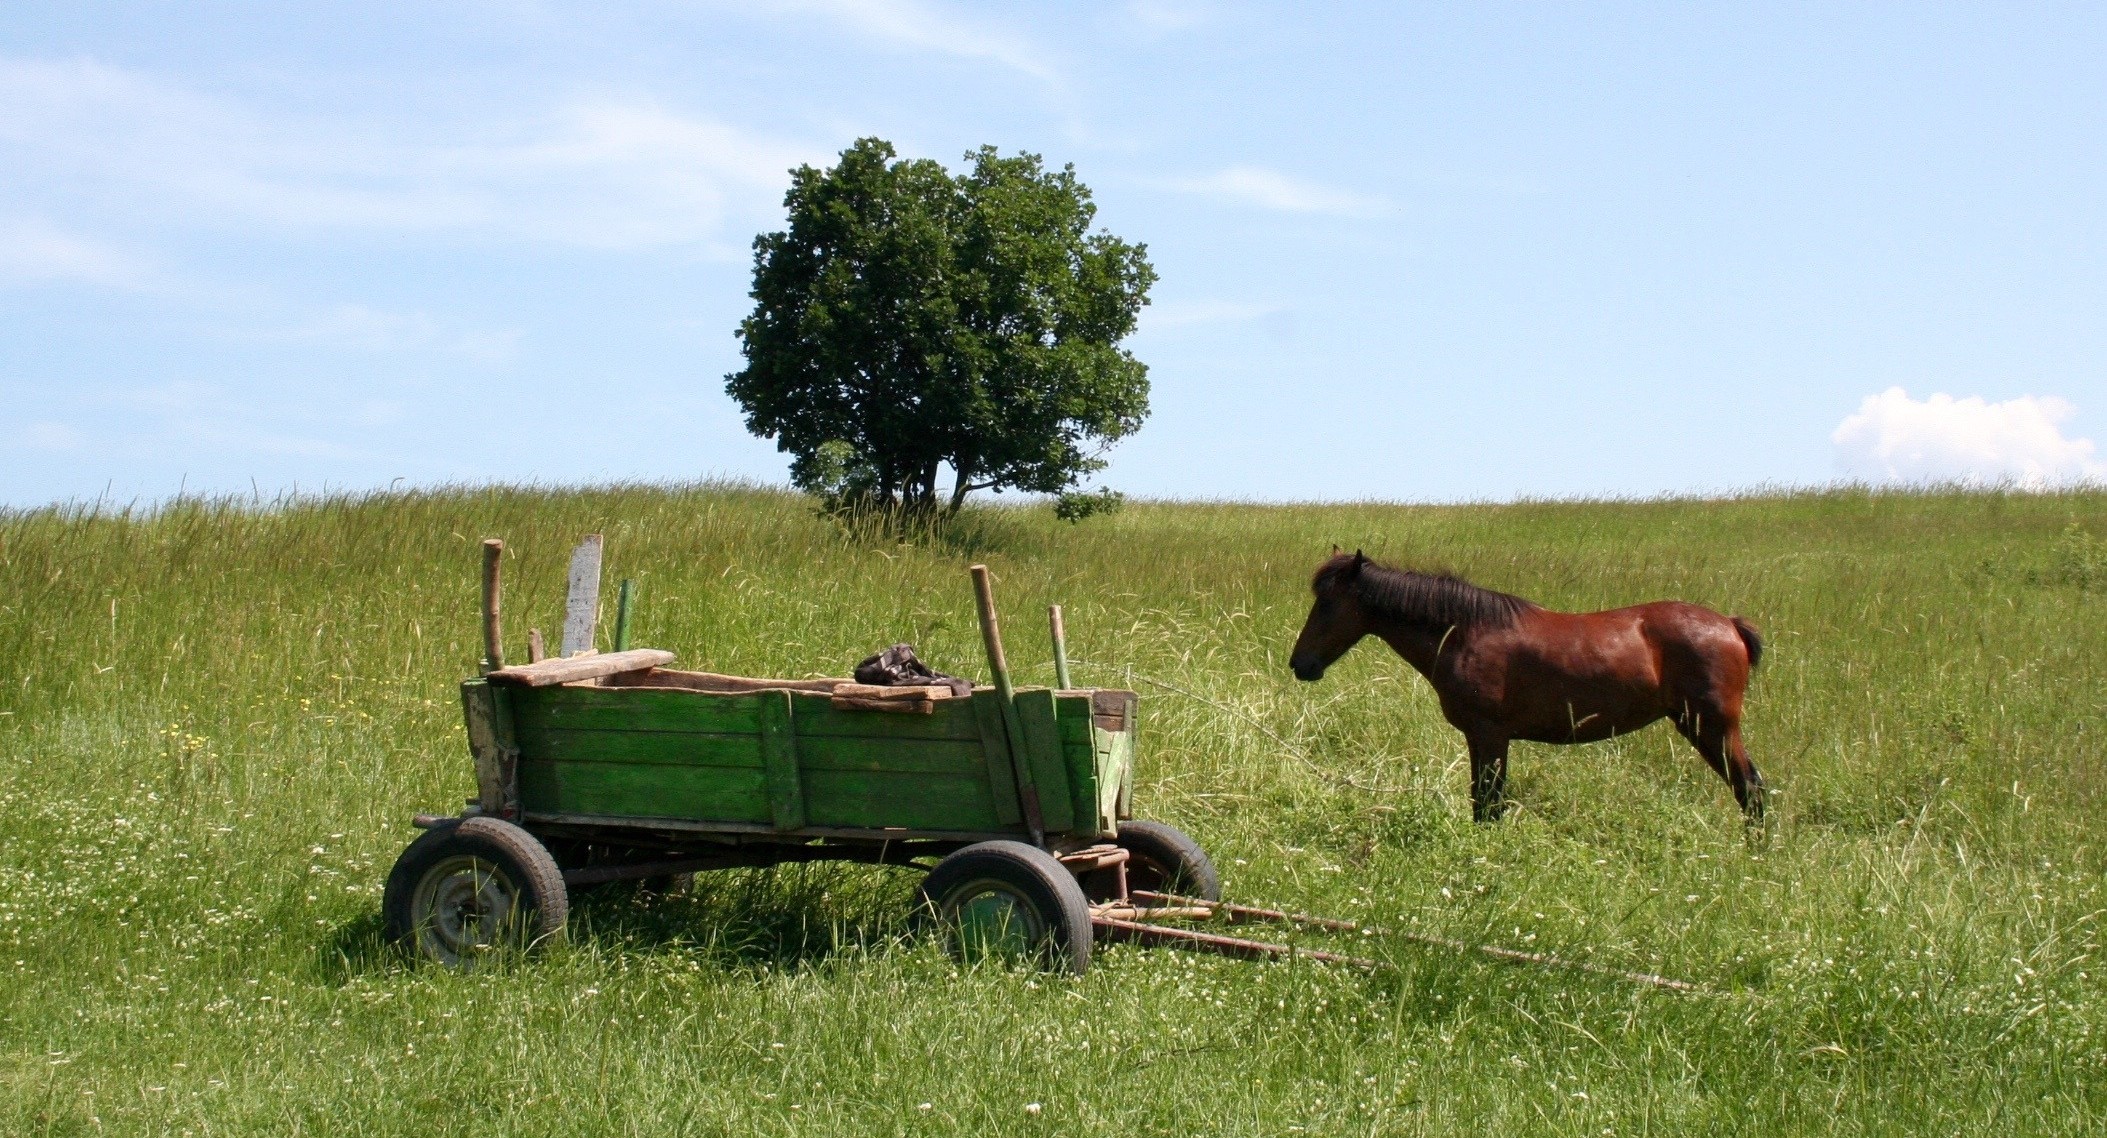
{"x":1336,"y":621}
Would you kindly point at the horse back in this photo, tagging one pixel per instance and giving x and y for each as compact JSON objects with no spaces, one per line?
{"x":1702,"y":653}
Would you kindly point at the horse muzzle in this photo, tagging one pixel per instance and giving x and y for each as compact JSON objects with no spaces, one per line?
{"x":1307,"y":673}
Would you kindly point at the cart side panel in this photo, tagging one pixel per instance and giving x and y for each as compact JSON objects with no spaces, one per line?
{"x":875,"y":769}
{"x":1097,"y":744}
{"x":1042,"y":745}
{"x":642,"y":754}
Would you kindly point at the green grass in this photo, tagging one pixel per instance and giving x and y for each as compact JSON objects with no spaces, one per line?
{"x":216,"y":722}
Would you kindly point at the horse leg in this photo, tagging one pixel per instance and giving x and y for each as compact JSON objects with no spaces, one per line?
{"x":1718,"y":738}
{"x":1747,"y":781}
{"x":1488,"y":777}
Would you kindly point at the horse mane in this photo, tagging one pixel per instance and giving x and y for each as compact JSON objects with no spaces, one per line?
{"x":1441,"y":599}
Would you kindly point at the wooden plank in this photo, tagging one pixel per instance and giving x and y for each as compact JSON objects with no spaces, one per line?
{"x":1123,"y":757}
{"x":764,"y":829}
{"x":915,"y":801}
{"x":505,"y":723}
{"x":712,"y":682}
{"x":639,"y":791}
{"x":898,"y":756}
{"x":1073,"y":709}
{"x":654,"y":748}
{"x":1042,"y":748}
{"x":779,"y":753}
{"x":995,"y":752}
{"x":878,"y":691}
{"x":884,"y":706}
{"x":947,"y":719}
{"x":619,"y":709}
{"x":581,"y":606}
{"x":570,"y":669}
{"x":480,"y":715}
{"x":1080,"y":758}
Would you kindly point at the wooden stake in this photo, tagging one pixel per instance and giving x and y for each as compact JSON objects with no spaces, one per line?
{"x":493,"y":642}
{"x":622,"y":615}
{"x":1060,"y":646}
{"x":991,"y":631}
{"x":1012,"y":727}
{"x":536,"y":650}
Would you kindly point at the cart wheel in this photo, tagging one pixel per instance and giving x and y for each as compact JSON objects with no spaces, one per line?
{"x":467,"y":887}
{"x":1161,"y":859}
{"x":1008,"y":899}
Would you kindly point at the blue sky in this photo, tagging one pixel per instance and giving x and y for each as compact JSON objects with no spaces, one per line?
{"x":1406,"y":252}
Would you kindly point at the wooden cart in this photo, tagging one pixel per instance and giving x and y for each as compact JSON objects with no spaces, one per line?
{"x":595,"y":768}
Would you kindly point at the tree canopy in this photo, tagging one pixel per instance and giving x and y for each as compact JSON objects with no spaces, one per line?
{"x":909,"y":319}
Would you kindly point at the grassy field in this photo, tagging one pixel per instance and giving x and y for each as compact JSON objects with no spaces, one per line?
{"x":216,"y":721}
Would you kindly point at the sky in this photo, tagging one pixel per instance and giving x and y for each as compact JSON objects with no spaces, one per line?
{"x":1406,"y":252}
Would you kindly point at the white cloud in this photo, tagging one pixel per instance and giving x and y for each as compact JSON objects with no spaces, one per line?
{"x":914,"y":24}
{"x":34,"y":251}
{"x":605,"y":173}
{"x":47,"y":435}
{"x":1893,"y":438}
{"x":355,"y":327}
{"x":1270,"y":189}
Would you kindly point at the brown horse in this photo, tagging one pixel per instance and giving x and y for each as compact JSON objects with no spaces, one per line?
{"x":1508,"y":669}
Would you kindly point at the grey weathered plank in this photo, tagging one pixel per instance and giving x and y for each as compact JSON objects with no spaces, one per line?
{"x":581,"y":607}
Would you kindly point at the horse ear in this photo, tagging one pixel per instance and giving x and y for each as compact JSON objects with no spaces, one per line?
{"x":1359,"y":559}
{"x":1335,"y":549}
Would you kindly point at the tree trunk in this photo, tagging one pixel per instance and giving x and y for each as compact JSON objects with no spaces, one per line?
{"x":959,"y":490}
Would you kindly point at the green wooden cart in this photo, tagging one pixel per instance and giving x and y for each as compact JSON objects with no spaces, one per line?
{"x":595,"y":768}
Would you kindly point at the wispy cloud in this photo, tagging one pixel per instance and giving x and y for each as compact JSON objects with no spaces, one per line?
{"x":1168,"y":15}
{"x":186,"y":413}
{"x":1271,"y":189}
{"x":34,"y":251}
{"x":48,"y":435}
{"x":356,"y":327}
{"x":608,"y":173}
{"x":927,"y":27}
{"x":1894,"y":438}
{"x":1187,"y":313}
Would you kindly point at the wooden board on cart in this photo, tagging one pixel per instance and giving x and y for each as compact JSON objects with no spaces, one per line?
{"x":697,"y":752}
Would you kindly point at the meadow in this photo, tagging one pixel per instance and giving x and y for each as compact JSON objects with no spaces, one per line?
{"x":218,"y":717}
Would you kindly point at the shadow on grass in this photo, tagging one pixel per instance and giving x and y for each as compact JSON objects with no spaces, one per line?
{"x":784,"y":917}
{"x":789,"y":916}
{"x":358,"y":947}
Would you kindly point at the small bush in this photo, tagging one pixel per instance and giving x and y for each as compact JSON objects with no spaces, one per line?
{"x":1075,"y":505}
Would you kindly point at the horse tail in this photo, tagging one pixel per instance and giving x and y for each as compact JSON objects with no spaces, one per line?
{"x":1750,"y":639}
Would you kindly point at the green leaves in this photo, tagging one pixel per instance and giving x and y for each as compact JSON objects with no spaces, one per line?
{"x":909,"y":319}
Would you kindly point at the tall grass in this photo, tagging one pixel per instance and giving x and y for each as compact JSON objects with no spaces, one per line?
{"x":217,"y":718}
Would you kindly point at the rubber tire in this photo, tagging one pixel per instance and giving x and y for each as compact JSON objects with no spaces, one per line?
{"x":1030,"y":874}
{"x":539,"y":898}
{"x":1163,"y":859}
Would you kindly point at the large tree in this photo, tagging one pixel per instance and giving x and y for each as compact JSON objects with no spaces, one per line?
{"x":908,"y":319}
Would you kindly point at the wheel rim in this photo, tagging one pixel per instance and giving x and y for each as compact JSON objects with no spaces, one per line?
{"x":464,"y":906}
{"x":991,"y":918}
